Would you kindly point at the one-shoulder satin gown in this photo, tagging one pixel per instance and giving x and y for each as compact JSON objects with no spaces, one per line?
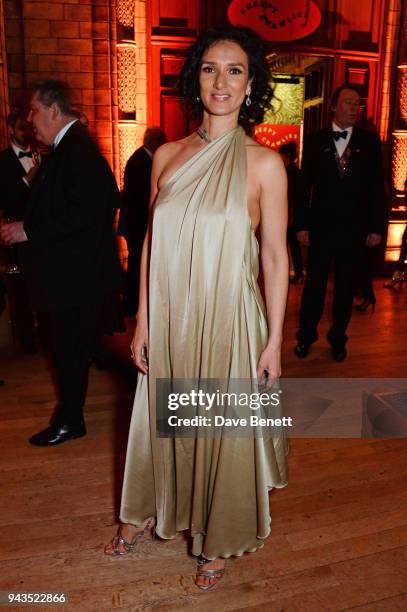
{"x":206,"y":320}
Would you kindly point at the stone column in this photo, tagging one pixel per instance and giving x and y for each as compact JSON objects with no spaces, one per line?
{"x":390,"y":49}
{"x":131,"y":77}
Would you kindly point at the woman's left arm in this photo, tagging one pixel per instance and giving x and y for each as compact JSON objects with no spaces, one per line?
{"x":274,"y":258}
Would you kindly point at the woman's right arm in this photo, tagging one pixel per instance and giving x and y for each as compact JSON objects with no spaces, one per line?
{"x":139,"y":345}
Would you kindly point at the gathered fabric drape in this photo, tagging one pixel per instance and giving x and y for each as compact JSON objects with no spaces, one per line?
{"x":206,"y":320}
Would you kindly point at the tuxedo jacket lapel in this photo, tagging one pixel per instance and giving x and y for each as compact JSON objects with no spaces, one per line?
{"x":354,"y":149}
{"x":55,"y":158}
{"x":328,"y":150}
{"x":355,"y":145}
{"x":41,"y":180}
{"x":14,"y":161}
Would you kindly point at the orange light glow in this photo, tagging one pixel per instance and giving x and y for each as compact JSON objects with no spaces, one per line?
{"x":395,"y":233}
{"x":399,"y":160}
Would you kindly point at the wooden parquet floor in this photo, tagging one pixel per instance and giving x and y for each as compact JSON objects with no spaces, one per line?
{"x":339,"y":538}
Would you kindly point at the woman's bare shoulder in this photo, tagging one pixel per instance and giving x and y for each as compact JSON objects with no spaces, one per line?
{"x":169,"y":150}
{"x":262,"y":159}
{"x":261,"y":153}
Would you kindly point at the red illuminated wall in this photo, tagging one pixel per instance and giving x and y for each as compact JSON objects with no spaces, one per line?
{"x":174,"y":26}
{"x":3,"y":84}
{"x":91,"y":43}
{"x":351,"y":33}
{"x":77,"y":40}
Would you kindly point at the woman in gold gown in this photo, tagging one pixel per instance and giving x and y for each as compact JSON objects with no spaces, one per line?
{"x":201,"y":315}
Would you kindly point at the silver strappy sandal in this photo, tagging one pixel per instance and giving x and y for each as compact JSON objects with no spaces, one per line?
{"x":118,"y":540}
{"x":217,"y":574}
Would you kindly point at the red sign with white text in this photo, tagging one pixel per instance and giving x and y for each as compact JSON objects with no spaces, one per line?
{"x":280,"y":20}
{"x":273,"y":136}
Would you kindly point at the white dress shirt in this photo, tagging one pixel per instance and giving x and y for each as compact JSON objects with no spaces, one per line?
{"x":148,"y":152}
{"x":342,"y":143}
{"x":26,"y":162}
{"x":62,"y":132}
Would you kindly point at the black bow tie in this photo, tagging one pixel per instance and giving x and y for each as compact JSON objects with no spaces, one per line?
{"x":24,"y":154}
{"x":338,"y":135}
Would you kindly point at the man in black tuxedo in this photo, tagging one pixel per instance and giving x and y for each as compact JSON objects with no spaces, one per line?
{"x":68,"y":227}
{"x":17,"y":173}
{"x":17,"y":167}
{"x":133,"y":218}
{"x":342,"y":208}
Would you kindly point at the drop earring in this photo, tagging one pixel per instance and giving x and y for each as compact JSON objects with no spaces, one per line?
{"x":248,"y":99}
{"x":198,"y":99}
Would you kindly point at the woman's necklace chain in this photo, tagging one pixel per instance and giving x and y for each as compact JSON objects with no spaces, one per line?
{"x":203,"y":134}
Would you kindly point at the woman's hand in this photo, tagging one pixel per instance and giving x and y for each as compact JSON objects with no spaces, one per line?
{"x":139,"y":347}
{"x":269,"y":366}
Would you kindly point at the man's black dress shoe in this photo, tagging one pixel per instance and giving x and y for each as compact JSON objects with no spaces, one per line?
{"x":301,"y":350}
{"x":57,"y":434}
{"x":339,"y":354}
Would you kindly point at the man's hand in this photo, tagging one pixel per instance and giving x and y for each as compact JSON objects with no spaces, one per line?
{"x":303,"y":237}
{"x":11,"y":233}
{"x":373,"y":240}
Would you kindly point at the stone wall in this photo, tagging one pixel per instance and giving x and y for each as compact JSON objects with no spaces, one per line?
{"x":65,"y":39}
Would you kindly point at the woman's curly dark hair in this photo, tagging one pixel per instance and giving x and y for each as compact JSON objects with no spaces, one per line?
{"x":261,"y":89}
